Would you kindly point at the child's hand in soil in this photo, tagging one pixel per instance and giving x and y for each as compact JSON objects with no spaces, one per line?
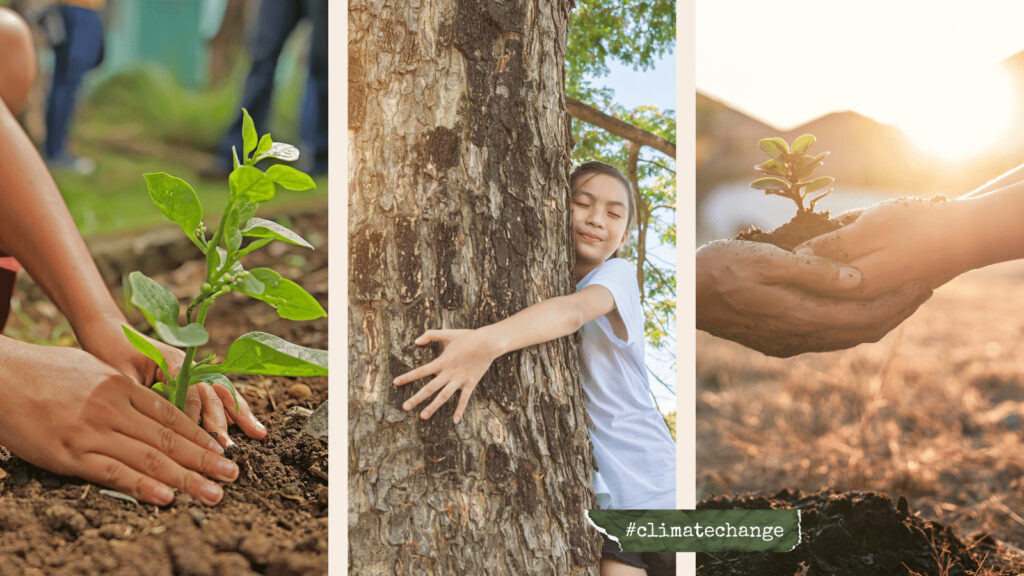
{"x":758,"y":295}
{"x":211,"y":405}
{"x":64,"y":410}
{"x":894,"y":243}
{"x":465,"y":359}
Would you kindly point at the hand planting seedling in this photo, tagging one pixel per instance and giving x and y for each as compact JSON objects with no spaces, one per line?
{"x":255,"y":352}
{"x":787,"y":173}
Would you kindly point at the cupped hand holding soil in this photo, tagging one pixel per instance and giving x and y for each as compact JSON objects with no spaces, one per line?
{"x":64,"y":410}
{"x":767,"y":298}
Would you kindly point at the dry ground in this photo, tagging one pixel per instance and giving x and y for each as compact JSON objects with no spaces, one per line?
{"x":934,"y":412}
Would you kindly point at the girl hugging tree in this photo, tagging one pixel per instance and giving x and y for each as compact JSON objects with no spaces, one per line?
{"x":633,"y":449}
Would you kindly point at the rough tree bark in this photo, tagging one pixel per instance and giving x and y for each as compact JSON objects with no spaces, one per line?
{"x":458,"y":217}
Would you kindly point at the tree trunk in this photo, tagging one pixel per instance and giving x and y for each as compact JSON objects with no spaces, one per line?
{"x":458,"y":217}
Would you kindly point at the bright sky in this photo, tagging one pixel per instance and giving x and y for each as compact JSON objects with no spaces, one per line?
{"x":656,"y":85}
{"x":909,"y":63}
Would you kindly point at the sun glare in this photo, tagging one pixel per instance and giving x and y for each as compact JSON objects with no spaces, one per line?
{"x":960,"y":115}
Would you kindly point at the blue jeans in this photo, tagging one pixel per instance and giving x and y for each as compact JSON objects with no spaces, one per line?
{"x":275,"y":21}
{"x":81,"y":51}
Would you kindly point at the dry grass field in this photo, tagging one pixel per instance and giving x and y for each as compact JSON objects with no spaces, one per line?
{"x":933,"y":412}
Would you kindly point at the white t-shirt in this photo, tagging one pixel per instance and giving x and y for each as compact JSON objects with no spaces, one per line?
{"x":635,"y":454}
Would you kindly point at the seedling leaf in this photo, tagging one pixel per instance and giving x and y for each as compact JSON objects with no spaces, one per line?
{"x":248,"y":135}
{"x":773,"y":167}
{"x":262,"y":353}
{"x":769,"y":183}
{"x":157,"y":303}
{"x":148,"y":350}
{"x":265,"y":143}
{"x":250,"y":285}
{"x":774,"y":147}
{"x":816,"y":184}
{"x":251,"y":184}
{"x":281,"y":151}
{"x":291,"y":301}
{"x":803,"y":144}
{"x":177,"y":200}
{"x":290,"y":178}
{"x":260,"y":228}
{"x":182,"y":336}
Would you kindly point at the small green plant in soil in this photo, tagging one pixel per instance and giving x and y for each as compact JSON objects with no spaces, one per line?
{"x":255,"y":352}
{"x":787,"y":173}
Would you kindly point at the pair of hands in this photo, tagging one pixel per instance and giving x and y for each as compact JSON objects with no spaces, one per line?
{"x":835,"y":291}
{"x":89,"y":413}
{"x":211,"y":405}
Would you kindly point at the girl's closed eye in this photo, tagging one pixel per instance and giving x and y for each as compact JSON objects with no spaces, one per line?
{"x":615,"y":215}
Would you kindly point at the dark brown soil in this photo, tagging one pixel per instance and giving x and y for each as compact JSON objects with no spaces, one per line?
{"x":857,"y":534}
{"x":804,"y":226}
{"x":272,"y":520}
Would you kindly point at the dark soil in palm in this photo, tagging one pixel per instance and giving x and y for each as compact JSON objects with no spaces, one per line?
{"x":272,"y":520}
{"x":804,"y":226}
{"x":855,"y":534}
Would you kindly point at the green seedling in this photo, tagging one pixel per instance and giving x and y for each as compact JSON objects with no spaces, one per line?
{"x":255,"y":352}
{"x":788,"y":172}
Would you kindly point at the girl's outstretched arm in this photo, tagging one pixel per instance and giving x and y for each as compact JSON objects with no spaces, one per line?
{"x":469,"y":353}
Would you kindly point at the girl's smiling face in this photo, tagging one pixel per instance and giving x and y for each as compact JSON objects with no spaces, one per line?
{"x":600,"y":214}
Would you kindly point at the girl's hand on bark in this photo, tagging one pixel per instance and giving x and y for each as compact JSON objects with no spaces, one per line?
{"x":897,"y":242}
{"x":467,"y":356}
{"x":68,"y":412}
{"x":760,"y":296}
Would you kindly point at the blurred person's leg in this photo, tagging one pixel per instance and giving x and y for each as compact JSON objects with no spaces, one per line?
{"x":314,"y":105}
{"x":81,"y":51}
{"x":275,"y":20}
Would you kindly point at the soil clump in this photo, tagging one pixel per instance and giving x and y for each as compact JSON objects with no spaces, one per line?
{"x":804,"y":226}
